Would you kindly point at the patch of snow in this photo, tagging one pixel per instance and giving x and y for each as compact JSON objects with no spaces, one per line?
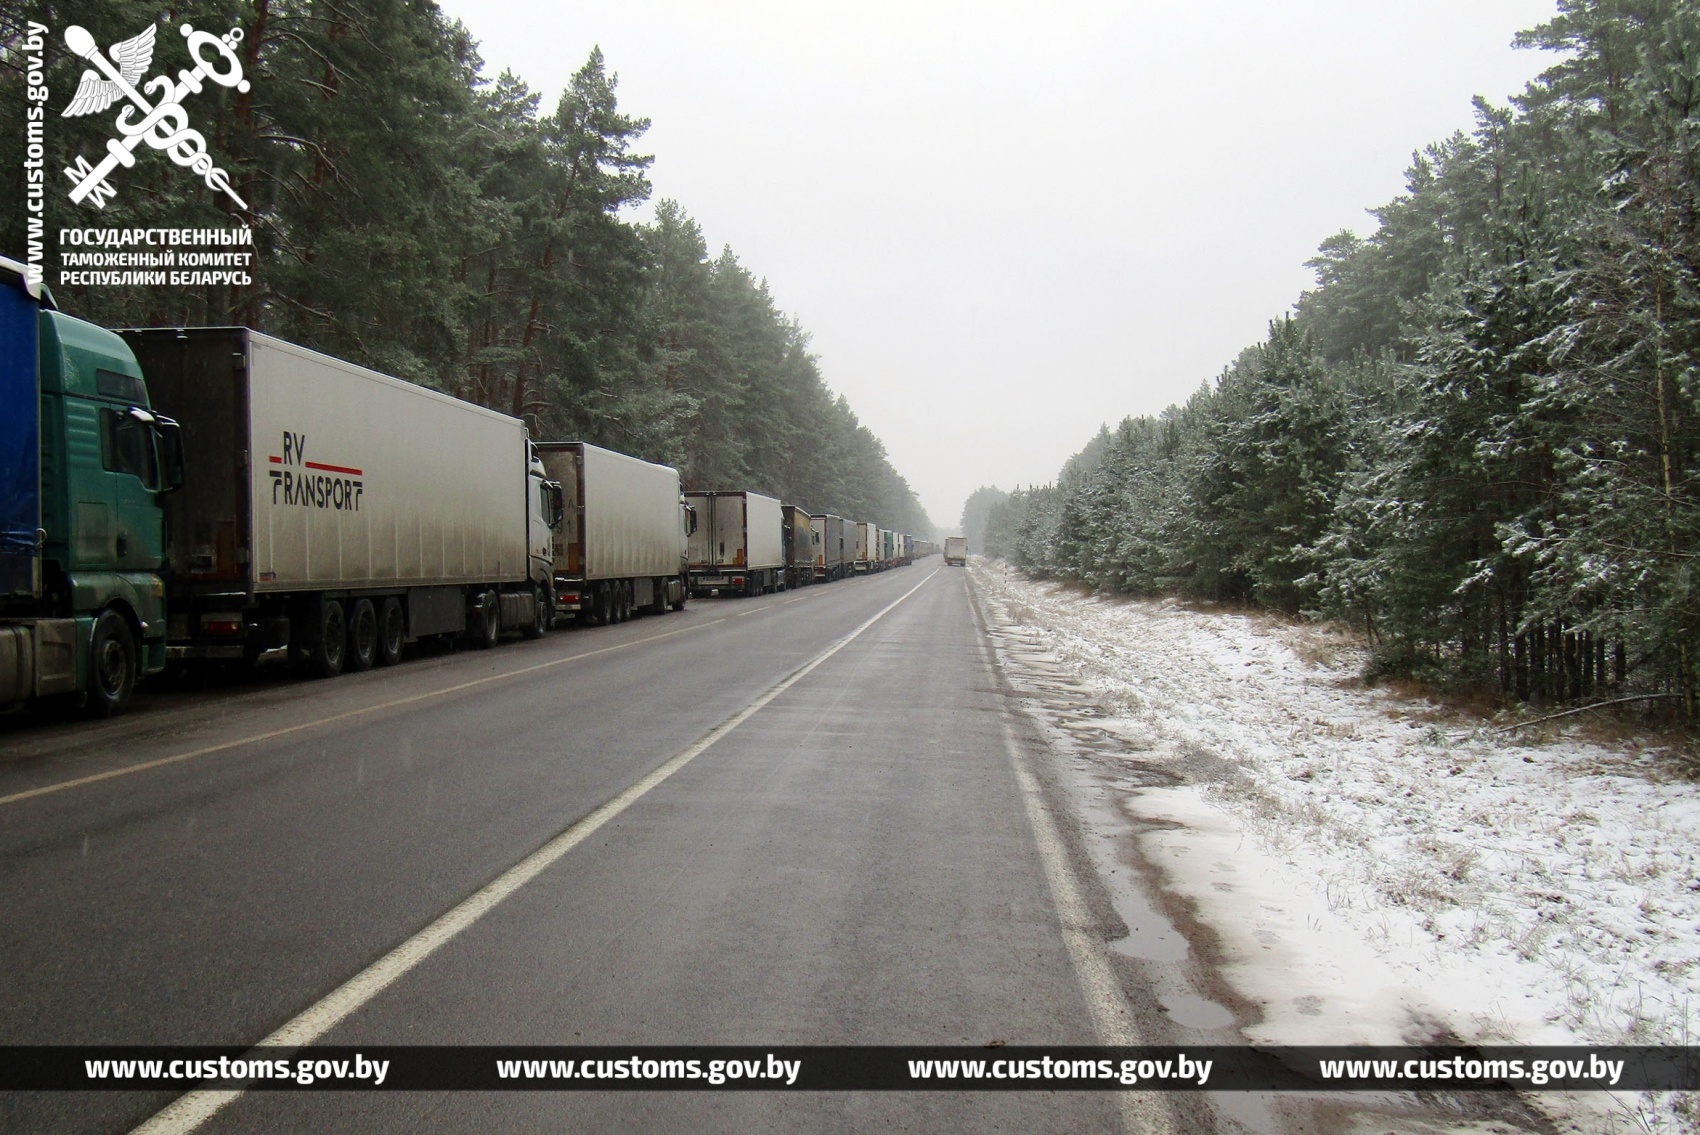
{"x":1381,"y":872}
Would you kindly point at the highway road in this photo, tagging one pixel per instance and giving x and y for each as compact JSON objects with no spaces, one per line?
{"x":808,"y":818}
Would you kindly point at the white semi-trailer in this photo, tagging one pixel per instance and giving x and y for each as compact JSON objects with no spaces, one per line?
{"x":831,"y":560}
{"x":739,"y":543}
{"x":867,"y":547}
{"x":956,"y":551}
{"x":337,"y":511}
{"x":620,"y":547}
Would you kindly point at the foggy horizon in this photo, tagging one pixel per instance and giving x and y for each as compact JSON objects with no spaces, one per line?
{"x":985,"y":324}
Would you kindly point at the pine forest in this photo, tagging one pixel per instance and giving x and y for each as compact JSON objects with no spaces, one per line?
{"x":1477,"y":438}
{"x":417,"y":217}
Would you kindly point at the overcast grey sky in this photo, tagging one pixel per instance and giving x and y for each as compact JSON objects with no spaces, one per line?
{"x":1007,"y":224}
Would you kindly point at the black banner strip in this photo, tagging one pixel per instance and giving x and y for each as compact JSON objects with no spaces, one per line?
{"x":847,"y":1068}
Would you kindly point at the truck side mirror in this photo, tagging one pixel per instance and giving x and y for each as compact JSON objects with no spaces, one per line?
{"x":557,"y":503}
{"x":170,"y":439}
{"x":690,"y":520}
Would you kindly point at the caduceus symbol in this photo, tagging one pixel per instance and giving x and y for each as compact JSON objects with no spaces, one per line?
{"x":134,"y":56}
{"x":164,"y":125}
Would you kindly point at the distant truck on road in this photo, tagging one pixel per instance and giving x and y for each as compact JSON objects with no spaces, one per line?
{"x":739,"y":543}
{"x":867,"y":544}
{"x":956,"y":551}
{"x":799,"y":547}
{"x":831,"y":559}
{"x":621,"y":545}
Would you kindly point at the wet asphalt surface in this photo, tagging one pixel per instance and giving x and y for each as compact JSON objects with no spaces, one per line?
{"x":851,"y":865}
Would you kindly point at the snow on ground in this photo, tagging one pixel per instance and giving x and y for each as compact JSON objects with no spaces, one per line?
{"x":1383,"y":871}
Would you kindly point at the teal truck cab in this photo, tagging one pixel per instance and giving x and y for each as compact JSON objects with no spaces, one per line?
{"x":83,"y":461}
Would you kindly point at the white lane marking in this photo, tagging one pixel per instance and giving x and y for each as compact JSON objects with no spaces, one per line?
{"x":222,"y":746}
{"x":1142,"y":1113}
{"x":190,"y":1111}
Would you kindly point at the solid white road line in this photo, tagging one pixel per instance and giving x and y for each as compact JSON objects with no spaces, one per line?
{"x":1143,"y":1113}
{"x":190,"y":1111}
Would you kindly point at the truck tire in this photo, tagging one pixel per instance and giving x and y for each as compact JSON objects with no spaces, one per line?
{"x":392,"y":631}
{"x":327,"y":643}
{"x":625,"y":601}
{"x":539,"y":616}
{"x":488,"y":629}
{"x":362,"y":637}
{"x":112,"y":666}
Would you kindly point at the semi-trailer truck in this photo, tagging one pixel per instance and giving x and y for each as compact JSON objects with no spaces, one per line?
{"x":739,"y":543}
{"x":867,"y":547}
{"x":830,"y":559}
{"x":799,"y":547}
{"x":338,"y":512}
{"x":621,"y":545}
{"x":956,"y":551}
{"x":84,"y":460}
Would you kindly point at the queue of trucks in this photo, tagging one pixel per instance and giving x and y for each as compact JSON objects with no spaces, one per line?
{"x":182,"y":494}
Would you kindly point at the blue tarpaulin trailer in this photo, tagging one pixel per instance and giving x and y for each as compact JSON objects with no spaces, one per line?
{"x":20,"y":435}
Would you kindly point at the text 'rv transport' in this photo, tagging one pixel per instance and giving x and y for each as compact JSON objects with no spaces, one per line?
{"x":182,"y":495}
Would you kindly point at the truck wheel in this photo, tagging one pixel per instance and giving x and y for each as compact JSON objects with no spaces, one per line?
{"x":112,"y":666}
{"x":625,"y":601}
{"x":362,"y":637}
{"x":489,"y":627}
{"x":539,"y":616}
{"x":329,"y":642}
{"x":392,"y":631}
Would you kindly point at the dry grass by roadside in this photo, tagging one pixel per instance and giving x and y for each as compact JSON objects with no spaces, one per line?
{"x":1326,"y":644}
